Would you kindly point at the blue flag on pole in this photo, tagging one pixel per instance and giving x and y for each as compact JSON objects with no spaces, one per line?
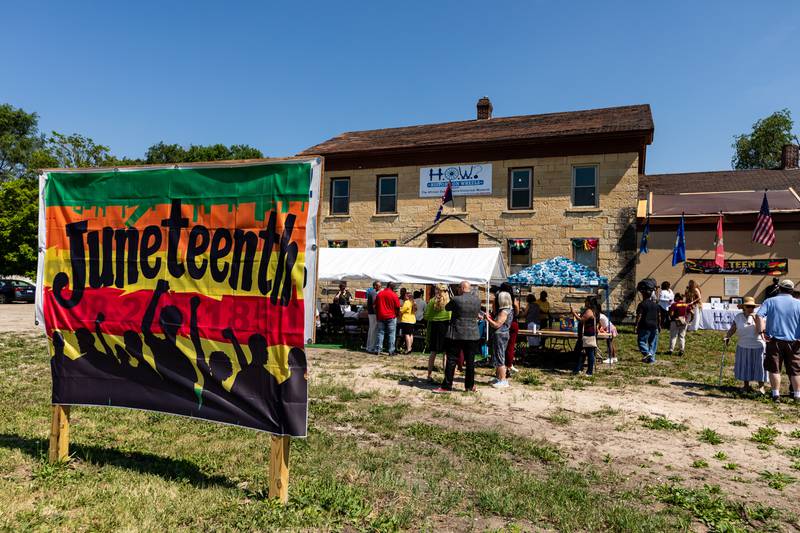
{"x":643,"y":249}
{"x":679,"y":252}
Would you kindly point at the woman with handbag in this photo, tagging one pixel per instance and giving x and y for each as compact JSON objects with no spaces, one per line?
{"x":587,"y":335}
{"x":678,"y":324}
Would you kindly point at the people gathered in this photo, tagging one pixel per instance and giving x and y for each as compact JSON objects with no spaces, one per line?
{"x":458,"y":328}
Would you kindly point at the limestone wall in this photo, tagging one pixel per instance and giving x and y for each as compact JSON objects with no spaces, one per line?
{"x":551,"y":223}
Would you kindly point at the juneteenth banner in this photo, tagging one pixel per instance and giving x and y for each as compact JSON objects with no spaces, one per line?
{"x":183,"y":289}
{"x":757,"y":267}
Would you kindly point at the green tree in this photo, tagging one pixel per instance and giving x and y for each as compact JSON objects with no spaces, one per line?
{"x":75,"y":151}
{"x":762,"y":147}
{"x":19,"y":141}
{"x":162,"y":153}
{"x":19,"y":219}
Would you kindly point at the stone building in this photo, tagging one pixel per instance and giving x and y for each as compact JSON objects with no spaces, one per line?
{"x":537,"y":186}
{"x":737,"y":195}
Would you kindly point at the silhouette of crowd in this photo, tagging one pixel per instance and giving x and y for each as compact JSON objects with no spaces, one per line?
{"x":123,"y":376}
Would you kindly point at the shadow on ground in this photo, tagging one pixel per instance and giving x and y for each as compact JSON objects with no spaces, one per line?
{"x":142,"y":462}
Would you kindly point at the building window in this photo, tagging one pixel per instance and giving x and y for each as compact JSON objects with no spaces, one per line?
{"x":519,"y":254}
{"x":338,"y":243}
{"x":520,"y":188}
{"x":585,"y":252}
{"x":387,"y":194}
{"x":385,"y":243}
{"x":584,"y":186}
{"x":340,"y":196}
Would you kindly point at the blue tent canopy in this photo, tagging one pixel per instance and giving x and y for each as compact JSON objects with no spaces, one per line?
{"x":558,"y":272}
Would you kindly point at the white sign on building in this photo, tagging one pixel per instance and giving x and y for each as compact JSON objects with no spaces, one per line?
{"x":470,"y":179}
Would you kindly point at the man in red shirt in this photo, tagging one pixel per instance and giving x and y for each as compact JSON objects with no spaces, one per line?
{"x":387,"y":308}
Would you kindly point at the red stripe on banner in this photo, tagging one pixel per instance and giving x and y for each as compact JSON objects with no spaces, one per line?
{"x":120,"y":312}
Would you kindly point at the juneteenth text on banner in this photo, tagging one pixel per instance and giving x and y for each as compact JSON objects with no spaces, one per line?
{"x":127,"y":253}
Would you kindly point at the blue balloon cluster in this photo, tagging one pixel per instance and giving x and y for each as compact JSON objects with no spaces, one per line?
{"x":558,"y":272}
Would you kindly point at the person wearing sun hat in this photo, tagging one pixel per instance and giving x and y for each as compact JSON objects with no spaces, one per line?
{"x":782,"y":334}
{"x":750,"y":347}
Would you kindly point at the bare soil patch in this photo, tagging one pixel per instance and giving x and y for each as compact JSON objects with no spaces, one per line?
{"x":598,"y":425}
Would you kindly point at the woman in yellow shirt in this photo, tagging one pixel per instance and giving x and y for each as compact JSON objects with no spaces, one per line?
{"x":407,"y":320}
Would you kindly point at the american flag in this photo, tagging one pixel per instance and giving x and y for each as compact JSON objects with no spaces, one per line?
{"x":764,"y":231}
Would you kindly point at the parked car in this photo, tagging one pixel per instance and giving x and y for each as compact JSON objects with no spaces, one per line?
{"x":15,"y":289}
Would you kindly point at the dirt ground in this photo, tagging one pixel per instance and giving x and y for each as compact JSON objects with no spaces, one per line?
{"x":597,"y":424}
{"x":18,"y":317}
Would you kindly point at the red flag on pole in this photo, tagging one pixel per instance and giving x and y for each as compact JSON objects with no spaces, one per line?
{"x":719,"y":254}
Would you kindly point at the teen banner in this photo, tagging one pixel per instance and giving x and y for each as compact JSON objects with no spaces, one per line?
{"x":759,"y":267}
{"x":182,"y":290}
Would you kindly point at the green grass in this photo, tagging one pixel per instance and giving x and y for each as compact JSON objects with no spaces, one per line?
{"x":710,"y":506}
{"x":795,"y":434}
{"x":710,"y":436}
{"x":765,"y":435}
{"x":740,"y":423}
{"x":662,"y":423}
{"x":730,"y":466}
{"x":371,"y":462}
{"x":776,"y":480}
{"x":721,"y":456}
{"x":700,"y":463}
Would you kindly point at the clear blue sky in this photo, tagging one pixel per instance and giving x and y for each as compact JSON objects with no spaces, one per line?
{"x":286,"y":77}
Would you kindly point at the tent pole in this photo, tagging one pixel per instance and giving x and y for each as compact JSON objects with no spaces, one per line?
{"x":486,"y":329}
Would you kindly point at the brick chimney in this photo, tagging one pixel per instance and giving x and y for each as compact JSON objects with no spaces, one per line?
{"x":485,"y":109}
{"x":789,"y":155}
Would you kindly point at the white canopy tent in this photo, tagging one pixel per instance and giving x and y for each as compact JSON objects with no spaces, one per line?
{"x":479,"y":266}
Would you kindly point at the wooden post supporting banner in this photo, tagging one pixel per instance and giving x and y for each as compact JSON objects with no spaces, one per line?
{"x":279,"y":469}
{"x":59,"y":434}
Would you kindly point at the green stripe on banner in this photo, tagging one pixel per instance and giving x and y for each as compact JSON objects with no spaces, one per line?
{"x":205,"y":187}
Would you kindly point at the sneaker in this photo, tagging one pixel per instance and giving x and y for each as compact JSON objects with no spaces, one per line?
{"x":473,"y":389}
{"x":614,"y":360}
{"x":680,"y":354}
{"x":608,"y":361}
{"x":501,"y":384}
{"x":776,"y":399}
{"x":650,"y":360}
{"x":440,"y":390}
{"x":512,"y":370}
{"x":493,"y":380}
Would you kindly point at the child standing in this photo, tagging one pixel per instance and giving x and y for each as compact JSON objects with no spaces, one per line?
{"x":677,"y":324}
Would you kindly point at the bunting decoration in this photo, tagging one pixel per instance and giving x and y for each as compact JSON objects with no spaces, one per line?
{"x":585,"y":244}
{"x":519,"y":245}
{"x":385,"y":243}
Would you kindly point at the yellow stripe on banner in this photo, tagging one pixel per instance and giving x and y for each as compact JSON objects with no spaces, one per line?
{"x":58,"y":260}
{"x":277,"y":355}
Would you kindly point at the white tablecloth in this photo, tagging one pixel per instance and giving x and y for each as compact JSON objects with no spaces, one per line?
{"x":714,"y":318}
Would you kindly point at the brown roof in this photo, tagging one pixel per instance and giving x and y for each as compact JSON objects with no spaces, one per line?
{"x":721,"y":180}
{"x":673,"y":205}
{"x":636,"y":119}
